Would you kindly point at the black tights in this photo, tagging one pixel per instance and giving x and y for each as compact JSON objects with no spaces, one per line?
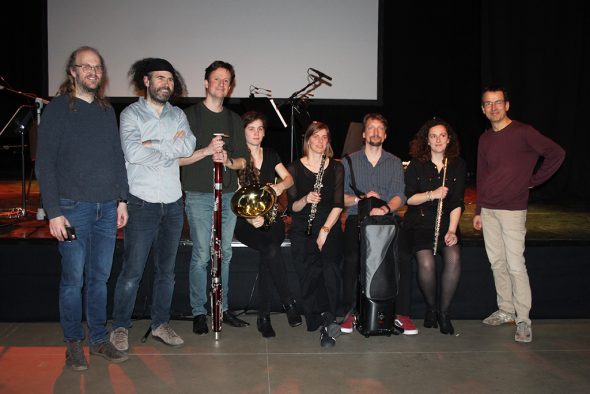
{"x":449,"y":279}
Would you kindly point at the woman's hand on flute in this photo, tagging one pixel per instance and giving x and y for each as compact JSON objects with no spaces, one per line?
{"x":440,"y":193}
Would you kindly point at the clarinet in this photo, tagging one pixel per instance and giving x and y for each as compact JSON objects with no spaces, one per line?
{"x":216,"y":294}
{"x":439,"y":211}
{"x":317,"y":187}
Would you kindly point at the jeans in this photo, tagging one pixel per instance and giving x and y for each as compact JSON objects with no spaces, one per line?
{"x":504,"y":237}
{"x":199,"y":212}
{"x":156,"y":224}
{"x":86,"y":266}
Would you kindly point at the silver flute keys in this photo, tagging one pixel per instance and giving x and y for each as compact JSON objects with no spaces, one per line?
{"x":439,"y":211}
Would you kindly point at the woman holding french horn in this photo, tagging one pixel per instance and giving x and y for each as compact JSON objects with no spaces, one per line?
{"x":435,"y":183}
{"x":316,"y":201}
{"x":255,"y":203}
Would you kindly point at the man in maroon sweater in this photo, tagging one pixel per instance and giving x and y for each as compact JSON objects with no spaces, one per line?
{"x":506,"y":157}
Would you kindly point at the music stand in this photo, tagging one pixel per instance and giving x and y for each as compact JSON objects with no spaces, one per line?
{"x":19,"y":122}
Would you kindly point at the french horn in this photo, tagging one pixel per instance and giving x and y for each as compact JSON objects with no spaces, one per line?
{"x":253,"y":200}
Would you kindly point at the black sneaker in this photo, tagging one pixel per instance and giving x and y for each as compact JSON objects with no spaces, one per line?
{"x":325,"y":339}
{"x":108,"y":351}
{"x":200,"y":325}
{"x":293,"y":316}
{"x":75,"y":358}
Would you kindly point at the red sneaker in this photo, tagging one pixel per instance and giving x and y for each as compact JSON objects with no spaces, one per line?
{"x":407,"y":324}
{"x":348,"y":324}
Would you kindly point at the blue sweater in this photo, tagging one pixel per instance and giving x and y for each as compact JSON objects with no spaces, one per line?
{"x":79,"y":154}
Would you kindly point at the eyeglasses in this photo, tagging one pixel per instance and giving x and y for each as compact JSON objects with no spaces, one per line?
{"x":87,"y":68}
{"x":488,"y":104}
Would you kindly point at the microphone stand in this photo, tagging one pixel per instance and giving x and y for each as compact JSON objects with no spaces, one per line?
{"x":297,"y":99}
{"x":21,"y":212}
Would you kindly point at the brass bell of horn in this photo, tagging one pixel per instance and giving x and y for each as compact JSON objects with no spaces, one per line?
{"x":253,"y":200}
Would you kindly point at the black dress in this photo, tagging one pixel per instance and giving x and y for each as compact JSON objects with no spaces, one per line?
{"x":271,"y":271}
{"x":419,"y":220}
{"x":318,"y":271}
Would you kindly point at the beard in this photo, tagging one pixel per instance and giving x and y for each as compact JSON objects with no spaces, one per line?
{"x":85,"y":87}
{"x":161,"y":95}
{"x":375,"y":142}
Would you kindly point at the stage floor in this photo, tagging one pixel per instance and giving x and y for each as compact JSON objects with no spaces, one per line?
{"x":477,"y":359}
{"x":564,"y":223}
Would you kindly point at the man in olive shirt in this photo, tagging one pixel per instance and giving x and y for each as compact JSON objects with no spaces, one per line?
{"x":207,"y":118}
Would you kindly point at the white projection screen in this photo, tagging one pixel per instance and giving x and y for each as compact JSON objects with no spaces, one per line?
{"x":271,"y":43}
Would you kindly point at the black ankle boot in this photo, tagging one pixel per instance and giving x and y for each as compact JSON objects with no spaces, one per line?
{"x":430,"y":320}
{"x":293,"y":316}
{"x":264,"y":327}
{"x":444,"y":320}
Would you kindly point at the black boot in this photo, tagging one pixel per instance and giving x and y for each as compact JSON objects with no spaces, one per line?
{"x":293,"y":316}
{"x":430,"y":320}
{"x":444,"y":320}
{"x":264,"y":327}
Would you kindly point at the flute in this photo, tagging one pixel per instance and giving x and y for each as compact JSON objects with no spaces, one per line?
{"x":439,"y":211}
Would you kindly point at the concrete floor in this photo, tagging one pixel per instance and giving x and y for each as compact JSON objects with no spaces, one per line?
{"x":477,"y":359}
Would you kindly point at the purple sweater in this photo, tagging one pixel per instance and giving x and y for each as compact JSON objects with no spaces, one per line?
{"x":505,"y":163}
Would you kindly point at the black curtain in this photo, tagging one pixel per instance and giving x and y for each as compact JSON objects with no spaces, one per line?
{"x":540,"y":53}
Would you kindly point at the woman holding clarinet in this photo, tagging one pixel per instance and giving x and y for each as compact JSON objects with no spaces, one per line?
{"x":435,"y":183}
{"x":316,"y":201}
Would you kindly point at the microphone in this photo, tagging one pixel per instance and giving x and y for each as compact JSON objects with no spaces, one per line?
{"x":321,"y":74}
{"x":22,"y":125}
{"x":266,"y":90}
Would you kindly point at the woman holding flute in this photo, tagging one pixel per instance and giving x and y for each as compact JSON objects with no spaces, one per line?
{"x":435,"y":183}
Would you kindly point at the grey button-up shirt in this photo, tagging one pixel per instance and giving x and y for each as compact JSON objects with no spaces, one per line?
{"x":386,"y":178}
{"x":153,"y":172}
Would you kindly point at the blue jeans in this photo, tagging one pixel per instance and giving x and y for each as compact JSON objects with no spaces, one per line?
{"x":86,"y":266}
{"x":149,"y":224}
{"x":199,"y":212}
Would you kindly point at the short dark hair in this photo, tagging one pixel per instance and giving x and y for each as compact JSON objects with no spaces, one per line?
{"x":495,"y":88}
{"x":220,"y":64}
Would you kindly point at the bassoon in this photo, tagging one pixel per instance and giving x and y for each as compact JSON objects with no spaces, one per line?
{"x":216,"y":294}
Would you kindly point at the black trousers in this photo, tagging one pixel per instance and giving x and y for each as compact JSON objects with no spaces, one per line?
{"x":351,"y":268}
{"x":272,"y":271}
{"x":318,"y":271}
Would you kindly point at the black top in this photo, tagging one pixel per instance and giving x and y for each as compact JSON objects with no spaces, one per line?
{"x":198,"y":176}
{"x":424,"y":176}
{"x":332,"y":191}
{"x":270,"y":159}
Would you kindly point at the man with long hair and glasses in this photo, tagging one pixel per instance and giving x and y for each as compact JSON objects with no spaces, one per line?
{"x":81,"y":172}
